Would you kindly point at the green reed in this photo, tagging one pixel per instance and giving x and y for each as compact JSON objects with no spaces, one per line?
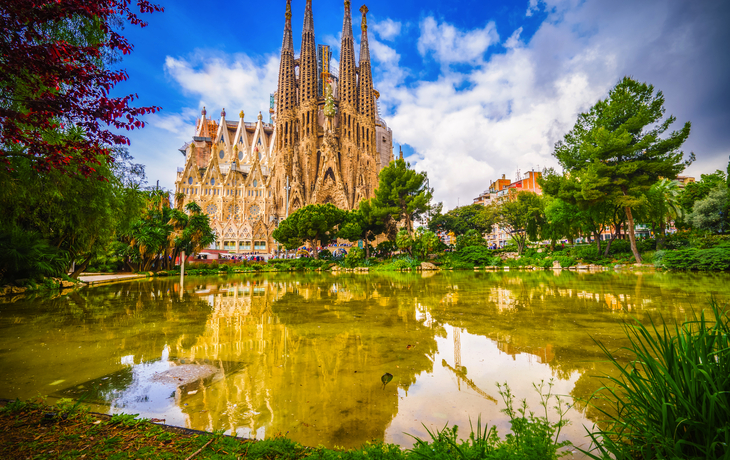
{"x":673,"y":398}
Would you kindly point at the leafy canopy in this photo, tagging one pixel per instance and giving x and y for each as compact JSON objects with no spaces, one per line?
{"x":53,"y":78}
{"x":402,"y":194}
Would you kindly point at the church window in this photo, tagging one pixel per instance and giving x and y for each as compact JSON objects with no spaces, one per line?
{"x":254,"y":182}
{"x":212,"y":182}
{"x":222,"y":140}
{"x":259,"y":155}
{"x":190,"y":180}
{"x":221,"y":154}
{"x":240,"y":155}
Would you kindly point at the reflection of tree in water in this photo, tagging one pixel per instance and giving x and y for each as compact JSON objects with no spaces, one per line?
{"x":83,"y":335}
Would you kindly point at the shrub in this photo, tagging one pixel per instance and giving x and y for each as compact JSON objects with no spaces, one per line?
{"x":566,"y":261}
{"x":673,"y":398}
{"x":697,"y":259}
{"x":475,"y":255}
{"x":325,"y":254}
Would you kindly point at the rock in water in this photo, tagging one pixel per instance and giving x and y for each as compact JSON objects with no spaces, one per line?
{"x":386,"y":378}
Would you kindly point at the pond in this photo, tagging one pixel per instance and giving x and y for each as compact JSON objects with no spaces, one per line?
{"x":304,"y":354}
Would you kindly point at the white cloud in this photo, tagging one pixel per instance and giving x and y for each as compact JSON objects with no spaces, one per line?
{"x":532,"y":8}
{"x":236,"y":82}
{"x":447,"y":44}
{"x":210,"y":79}
{"x":507,"y":111}
{"x":386,"y":29}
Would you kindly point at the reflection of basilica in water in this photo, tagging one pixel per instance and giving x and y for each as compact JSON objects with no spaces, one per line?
{"x":305,"y":354}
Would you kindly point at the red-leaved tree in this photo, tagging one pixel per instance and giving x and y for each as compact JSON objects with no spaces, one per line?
{"x":54,"y":77}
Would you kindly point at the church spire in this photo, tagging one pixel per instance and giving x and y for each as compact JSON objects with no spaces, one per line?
{"x":347,"y":83}
{"x":308,"y":60}
{"x":308,"y":20}
{"x":366,"y":100}
{"x":286,"y":93}
{"x":288,"y":42}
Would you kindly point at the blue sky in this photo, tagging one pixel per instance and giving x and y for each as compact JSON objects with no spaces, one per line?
{"x":471,"y":89}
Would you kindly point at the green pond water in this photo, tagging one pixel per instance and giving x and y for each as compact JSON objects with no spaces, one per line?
{"x":303,"y":355}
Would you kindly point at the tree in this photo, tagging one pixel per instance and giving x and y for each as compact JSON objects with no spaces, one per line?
{"x":711,"y":213}
{"x":662,"y":205}
{"x":53,"y":78}
{"x":616,"y":151}
{"x":362,"y":224}
{"x":404,"y":241}
{"x":520,"y":215}
{"x":695,"y":191}
{"x":402,"y":194}
{"x":562,"y":220}
{"x":317,"y":224}
{"x":462,"y":219}
{"x":424,"y":242}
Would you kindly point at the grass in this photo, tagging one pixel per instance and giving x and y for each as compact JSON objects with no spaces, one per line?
{"x":67,"y":431}
{"x":673,"y":398}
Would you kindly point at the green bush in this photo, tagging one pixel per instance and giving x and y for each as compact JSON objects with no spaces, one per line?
{"x":325,"y":254}
{"x":475,"y":255}
{"x":673,"y":398}
{"x":697,"y":259}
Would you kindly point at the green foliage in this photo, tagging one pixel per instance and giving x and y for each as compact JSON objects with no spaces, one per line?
{"x":711,"y":213}
{"x":532,"y":437}
{"x":26,"y":255}
{"x":470,"y":238}
{"x":521,"y":214}
{"x":462,"y":219}
{"x":79,"y":217}
{"x":354,"y":257}
{"x":425,"y":242}
{"x":673,"y":397}
{"x":697,"y":259}
{"x":615,"y":151}
{"x":402,"y":194}
{"x":385,"y":248}
{"x":404,"y":241}
{"x":317,"y":224}
{"x":476,"y":255}
{"x":698,"y":190}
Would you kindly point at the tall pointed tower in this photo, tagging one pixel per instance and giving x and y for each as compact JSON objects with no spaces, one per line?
{"x":308,"y":111}
{"x":365,"y":135}
{"x":286,"y":117}
{"x":347,"y":89}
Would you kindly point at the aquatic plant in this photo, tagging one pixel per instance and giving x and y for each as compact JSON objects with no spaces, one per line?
{"x":532,"y":436}
{"x":672,"y":400}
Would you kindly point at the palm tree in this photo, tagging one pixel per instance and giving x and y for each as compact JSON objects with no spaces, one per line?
{"x":663,"y":206}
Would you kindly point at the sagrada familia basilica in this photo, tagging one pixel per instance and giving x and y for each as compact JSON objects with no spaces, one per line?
{"x":325,"y":144}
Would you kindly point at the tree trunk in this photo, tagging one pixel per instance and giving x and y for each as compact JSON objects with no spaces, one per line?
{"x":315,"y":251}
{"x":632,"y":238}
{"x":80,"y":269}
{"x":597,"y":234}
{"x":367,"y":246}
{"x":521,"y":240}
{"x":608,"y":245}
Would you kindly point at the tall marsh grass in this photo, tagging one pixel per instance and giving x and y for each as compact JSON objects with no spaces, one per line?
{"x":673,"y":398}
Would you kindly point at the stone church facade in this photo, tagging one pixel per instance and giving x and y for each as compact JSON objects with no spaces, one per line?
{"x":326,"y":144}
